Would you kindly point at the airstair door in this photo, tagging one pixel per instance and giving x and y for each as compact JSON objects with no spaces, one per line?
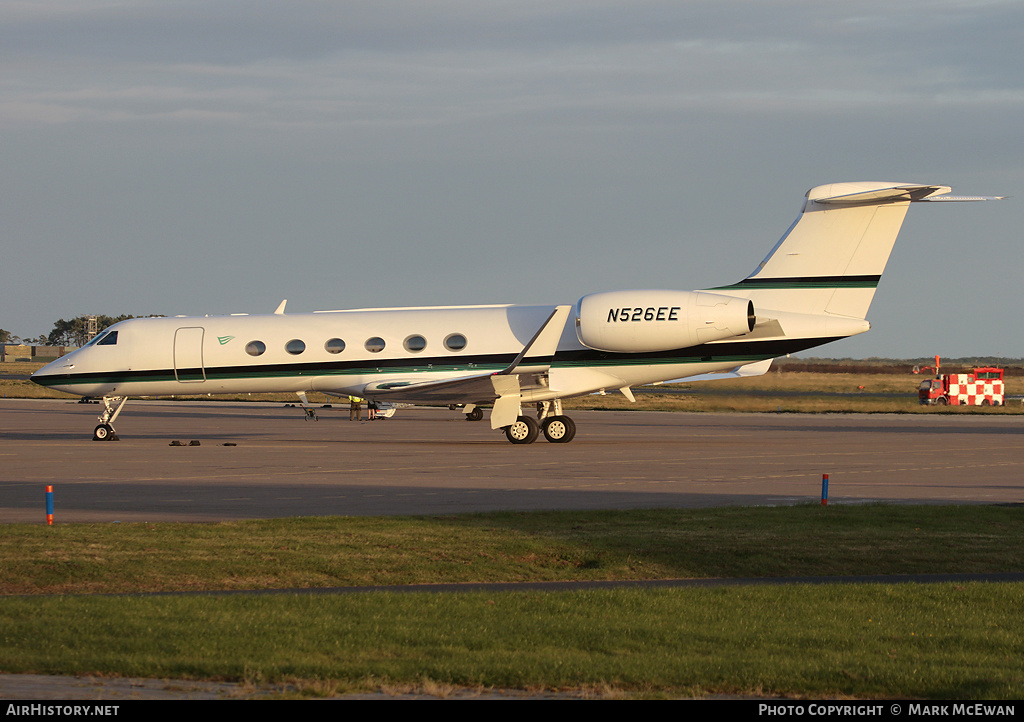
{"x":188,"y":355}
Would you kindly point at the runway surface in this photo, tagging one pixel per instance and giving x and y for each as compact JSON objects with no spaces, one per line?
{"x":432,"y":461}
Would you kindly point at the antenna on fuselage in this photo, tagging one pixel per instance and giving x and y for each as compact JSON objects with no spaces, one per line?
{"x":280,"y":309}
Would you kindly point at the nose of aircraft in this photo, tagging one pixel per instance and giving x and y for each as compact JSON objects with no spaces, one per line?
{"x":47,"y":375}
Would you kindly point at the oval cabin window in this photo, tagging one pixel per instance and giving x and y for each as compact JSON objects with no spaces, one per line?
{"x":455,"y":342}
{"x":335,"y":345}
{"x":415,"y":344}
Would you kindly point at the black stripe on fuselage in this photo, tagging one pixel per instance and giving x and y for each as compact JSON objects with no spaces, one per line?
{"x":796,"y":282}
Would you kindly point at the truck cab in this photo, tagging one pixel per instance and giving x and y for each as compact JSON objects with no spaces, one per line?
{"x":932,"y":391}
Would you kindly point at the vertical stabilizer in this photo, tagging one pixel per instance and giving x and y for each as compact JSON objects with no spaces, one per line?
{"x":830,"y":260}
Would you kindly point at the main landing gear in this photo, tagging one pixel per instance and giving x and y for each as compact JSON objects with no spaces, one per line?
{"x":112,"y":406}
{"x":557,"y":429}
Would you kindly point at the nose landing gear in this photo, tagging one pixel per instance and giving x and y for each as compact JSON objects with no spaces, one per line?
{"x":104,"y":432}
{"x":112,"y":406}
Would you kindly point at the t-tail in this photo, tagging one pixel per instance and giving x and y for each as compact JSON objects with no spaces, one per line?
{"x":830,"y":260}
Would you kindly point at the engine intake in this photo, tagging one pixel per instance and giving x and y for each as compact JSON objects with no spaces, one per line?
{"x":641,"y":321}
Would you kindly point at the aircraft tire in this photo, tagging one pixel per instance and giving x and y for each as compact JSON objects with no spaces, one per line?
{"x":559,"y":429}
{"x":103,"y":432}
{"x":475,"y":415}
{"x":524,"y":431}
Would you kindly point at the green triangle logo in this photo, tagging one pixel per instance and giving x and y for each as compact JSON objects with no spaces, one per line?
{"x":224,"y":339}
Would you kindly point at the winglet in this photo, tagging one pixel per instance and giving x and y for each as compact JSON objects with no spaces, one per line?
{"x":545,"y":342}
{"x":280,"y":309}
{"x":506,"y":382}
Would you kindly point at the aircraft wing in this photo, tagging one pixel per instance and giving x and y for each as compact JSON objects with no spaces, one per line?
{"x":477,"y":389}
{"x":502,"y":389}
{"x":758,"y":368}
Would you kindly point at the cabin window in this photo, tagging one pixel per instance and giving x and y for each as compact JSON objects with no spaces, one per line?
{"x":334,"y":345}
{"x":255,"y":348}
{"x":295,"y":347}
{"x":108,"y":339}
{"x":375,"y":344}
{"x":415,"y":344}
{"x":455,"y":342}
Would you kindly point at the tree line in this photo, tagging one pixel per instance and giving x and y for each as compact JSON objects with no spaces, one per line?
{"x":73,"y":332}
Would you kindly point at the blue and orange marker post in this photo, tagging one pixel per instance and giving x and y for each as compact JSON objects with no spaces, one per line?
{"x":824,"y":489}
{"x":49,"y":505}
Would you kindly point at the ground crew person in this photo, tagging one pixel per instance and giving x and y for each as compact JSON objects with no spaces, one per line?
{"x":353,"y":412}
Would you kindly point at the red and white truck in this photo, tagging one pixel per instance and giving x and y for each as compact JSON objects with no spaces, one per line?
{"x":981,"y":387}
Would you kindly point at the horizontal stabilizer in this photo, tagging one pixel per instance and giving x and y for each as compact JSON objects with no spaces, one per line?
{"x":891,"y":194}
{"x":874,"y":196}
{"x":961,"y":199}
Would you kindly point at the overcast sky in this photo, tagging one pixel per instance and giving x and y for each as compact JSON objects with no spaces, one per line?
{"x":216,"y":157}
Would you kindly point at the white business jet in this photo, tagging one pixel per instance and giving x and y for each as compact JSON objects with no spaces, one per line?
{"x":814,"y":287}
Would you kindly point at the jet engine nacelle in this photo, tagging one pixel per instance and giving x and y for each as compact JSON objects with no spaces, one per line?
{"x":641,"y":321}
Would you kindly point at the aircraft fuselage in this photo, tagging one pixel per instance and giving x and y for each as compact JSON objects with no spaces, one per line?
{"x":342,"y":352}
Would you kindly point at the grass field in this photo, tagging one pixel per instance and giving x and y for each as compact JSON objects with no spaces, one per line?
{"x":939,"y":641}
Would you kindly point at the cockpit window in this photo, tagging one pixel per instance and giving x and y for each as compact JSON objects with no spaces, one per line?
{"x":107,"y":338}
